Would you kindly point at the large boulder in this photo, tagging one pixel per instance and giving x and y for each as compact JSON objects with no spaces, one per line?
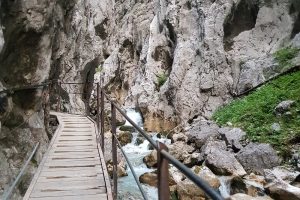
{"x":181,"y":151}
{"x":280,"y":190}
{"x":151,"y":159}
{"x":187,"y":190}
{"x":201,"y":131}
{"x":257,"y":157}
{"x":220,"y":161}
{"x":206,"y":174}
{"x":125,"y":137}
{"x":233,"y":137}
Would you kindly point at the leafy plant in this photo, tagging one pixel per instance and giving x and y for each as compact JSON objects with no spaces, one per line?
{"x":255,"y":113}
{"x":162,"y":78}
{"x":284,"y":56}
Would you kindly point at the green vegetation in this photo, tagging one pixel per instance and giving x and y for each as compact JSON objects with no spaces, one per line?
{"x":99,"y":69}
{"x":284,"y":56}
{"x":162,"y":78}
{"x":255,"y":113}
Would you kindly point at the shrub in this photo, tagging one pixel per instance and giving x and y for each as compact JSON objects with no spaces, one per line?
{"x":162,"y":78}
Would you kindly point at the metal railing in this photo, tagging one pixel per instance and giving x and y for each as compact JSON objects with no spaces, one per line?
{"x":163,"y":157}
{"x":7,"y":194}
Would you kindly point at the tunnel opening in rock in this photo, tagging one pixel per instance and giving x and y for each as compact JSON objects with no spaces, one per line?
{"x":241,"y":18}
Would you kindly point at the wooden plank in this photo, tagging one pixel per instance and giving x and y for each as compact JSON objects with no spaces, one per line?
{"x":73,"y":193}
{"x":50,"y":179}
{"x":74,"y":169}
{"x":81,"y":197}
{"x":58,"y":185}
{"x":70,"y":173}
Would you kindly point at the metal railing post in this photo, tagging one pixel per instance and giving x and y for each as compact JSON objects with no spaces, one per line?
{"x":59,"y":98}
{"x":102,"y":120}
{"x":114,"y":149}
{"x":162,"y":173}
{"x":98,"y":106}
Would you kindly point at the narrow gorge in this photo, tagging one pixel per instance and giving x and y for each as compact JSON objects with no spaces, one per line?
{"x":218,"y":81}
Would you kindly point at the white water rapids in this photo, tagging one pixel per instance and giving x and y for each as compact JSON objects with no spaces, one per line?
{"x":127,"y":187}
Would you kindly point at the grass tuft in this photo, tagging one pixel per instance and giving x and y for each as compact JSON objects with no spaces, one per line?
{"x":284,"y":56}
{"x":162,"y":78}
{"x":255,"y":113}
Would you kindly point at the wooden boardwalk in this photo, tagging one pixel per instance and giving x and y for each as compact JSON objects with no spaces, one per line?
{"x":73,"y":167}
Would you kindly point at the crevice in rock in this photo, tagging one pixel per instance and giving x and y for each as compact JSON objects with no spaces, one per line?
{"x":101,"y":29}
{"x":296,"y":28}
{"x":241,"y":18}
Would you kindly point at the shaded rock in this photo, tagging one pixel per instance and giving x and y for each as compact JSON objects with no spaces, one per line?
{"x":139,"y":140}
{"x":280,"y":190}
{"x":240,"y":196}
{"x":151,"y":159}
{"x":150,"y":178}
{"x":125,"y":137}
{"x":179,"y":137}
{"x":193,"y":159}
{"x":127,"y":128}
{"x":201,"y":131}
{"x":249,"y":187}
{"x":283,"y":107}
{"x":233,"y":137}
{"x":257,"y":157}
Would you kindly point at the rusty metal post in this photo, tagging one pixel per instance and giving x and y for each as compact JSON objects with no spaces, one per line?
{"x":163,"y":173}
{"x":114,"y":149}
{"x":59,"y":98}
{"x":102,"y":120}
{"x":98,"y":106}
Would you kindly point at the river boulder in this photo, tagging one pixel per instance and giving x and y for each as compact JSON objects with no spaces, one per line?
{"x":151,"y":159}
{"x":124,"y":137}
{"x":233,"y":137}
{"x":200,"y":131}
{"x":256,"y":157}
{"x":150,"y":178}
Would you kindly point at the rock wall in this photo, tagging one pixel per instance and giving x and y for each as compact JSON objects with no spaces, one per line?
{"x":42,"y":41}
{"x":177,"y":60}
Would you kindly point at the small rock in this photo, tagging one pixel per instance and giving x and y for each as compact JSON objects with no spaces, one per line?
{"x":151,"y":159}
{"x":125,"y":137}
{"x":283,"y":107}
{"x":276,"y":127}
{"x":252,"y":188}
{"x":139,"y":140}
{"x":233,"y":137}
{"x":121,"y":172}
{"x":257,"y":157}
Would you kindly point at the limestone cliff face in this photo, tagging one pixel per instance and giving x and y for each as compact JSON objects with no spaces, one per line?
{"x":40,"y":41}
{"x":208,"y":50}
{"x":174,"y":60}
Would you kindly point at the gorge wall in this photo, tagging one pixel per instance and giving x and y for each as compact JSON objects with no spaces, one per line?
{"x":173,"y":60}
{"x":179,"y":60}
